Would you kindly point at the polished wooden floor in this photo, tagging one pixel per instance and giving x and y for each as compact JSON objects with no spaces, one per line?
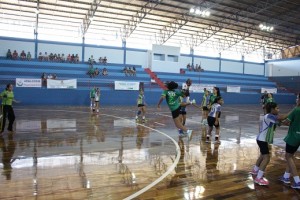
{"x":71,"y":153}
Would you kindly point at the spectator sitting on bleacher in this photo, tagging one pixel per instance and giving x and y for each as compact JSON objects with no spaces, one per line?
{"x":133,"y":71}
{"x":91,"y":60}
{"x":125,"y":71}
{"x":72,"y":58}
{"x":62,"y":58}
{"x":55,"y":58}
{"x":51,"y":56}
{"x":40,"y":56}
{"x":188,"y":67}
{"x":8,"y":54}
{"x":104,"y":61}
{"x":104,"y":72}
{"x":28,"y":56}
{"x":15,"y":55}
{"x":45,"y":57}
{"x":69,"y":58}
{"x":76,"y":59}
{"x":100,"y":60}
{"x":96,"y":73}
{"x":54,"y":76}
{"x":91,"y":71}
{"x":23,"y":55}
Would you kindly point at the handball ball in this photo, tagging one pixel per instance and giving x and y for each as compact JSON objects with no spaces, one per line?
{"x":188,"y":82}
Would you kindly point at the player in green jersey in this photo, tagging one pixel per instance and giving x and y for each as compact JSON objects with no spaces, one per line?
{"x":7,"y":97}
{"x":292,"y":144}
{"x":172,"y":98}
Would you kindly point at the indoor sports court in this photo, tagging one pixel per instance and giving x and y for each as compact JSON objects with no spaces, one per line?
{"x":94,"y":93}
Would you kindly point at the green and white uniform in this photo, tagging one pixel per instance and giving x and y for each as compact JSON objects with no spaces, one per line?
{"x":293,"y":136}
{"x":172,"y":98}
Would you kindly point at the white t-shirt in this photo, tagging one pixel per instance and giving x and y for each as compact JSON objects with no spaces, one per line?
{"x":214,"y":109}
{"x":267,"y":125}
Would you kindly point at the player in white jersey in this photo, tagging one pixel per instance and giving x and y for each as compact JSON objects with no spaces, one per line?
{"x":263,"y":139}
{"x":213,"y":119}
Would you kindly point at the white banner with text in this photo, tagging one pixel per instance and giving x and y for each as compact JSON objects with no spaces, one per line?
{"x":235,"y":89}
{"x":21,"y":82}
{"x":122,"y":85}
{"x":198,"y":88}
{"x":62,"y":84}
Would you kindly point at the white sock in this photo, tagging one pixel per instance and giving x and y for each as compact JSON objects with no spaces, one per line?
{"x":260,"y":174}
{"x":286,"y":175}
{"x":296,"y":179}
{"x":143,"y":117}
{"x":256,"y":168}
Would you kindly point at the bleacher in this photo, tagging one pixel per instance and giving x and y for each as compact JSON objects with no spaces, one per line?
{"x":248,"y":83}
{"x":10,"y":70}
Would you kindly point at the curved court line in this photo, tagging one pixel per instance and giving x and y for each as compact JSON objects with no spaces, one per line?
{"x":171,"y":168}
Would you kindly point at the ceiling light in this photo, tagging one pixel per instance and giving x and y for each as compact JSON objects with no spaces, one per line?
{"x":37,"y":11}
{"x":207,"y":13}
{"x":192,"y":10}
{"x":198,"y":11}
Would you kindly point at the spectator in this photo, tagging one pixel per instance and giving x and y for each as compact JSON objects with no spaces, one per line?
{"x":72,"y":58}
{"x":51,"y":56}
{"x":133,"y":71}
{"x":69,"y":58}
{"x":44,"y":78}
{"x":58,"y":57}
{"x":62,"y":58}
{"x":15,"y":55}
{"x":8,"y":54}
{"x":54,"y":76}
{"x":91,"y":60}
{"x":91,"y":71}
{"x":55,"y":57}
{"x":23,"y":55}
{"x":96,"y":73}
{"x":125,"y":70}
{"x":104,"y":72}
{"x":100,"y":60}
{"x":104,"y":61}
{"x":28,"y":56}
{"x":76,"y":58}
{"x":45,"y":57}
{"x":188,"y":67}
{"x":40,"y":57}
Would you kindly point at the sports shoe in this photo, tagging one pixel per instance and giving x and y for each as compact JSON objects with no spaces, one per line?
{"x":207,"y":140}
{"x":262,"y":181}
{"x":285,"y":180}
{"x":253,"y":172}
{"x":296,"y":185}
{"x":189,"y":134}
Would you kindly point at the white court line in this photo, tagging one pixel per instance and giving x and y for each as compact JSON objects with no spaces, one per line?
{"x":160,"y":123}
{"x":171,"y":168}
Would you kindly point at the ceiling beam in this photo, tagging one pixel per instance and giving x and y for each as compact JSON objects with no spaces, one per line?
{"x":88,"y":18}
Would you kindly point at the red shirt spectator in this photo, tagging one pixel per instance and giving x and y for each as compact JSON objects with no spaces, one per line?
{"x":15,"y":55}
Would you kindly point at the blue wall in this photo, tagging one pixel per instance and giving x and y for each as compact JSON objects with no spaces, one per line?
{"x":43,"y":96}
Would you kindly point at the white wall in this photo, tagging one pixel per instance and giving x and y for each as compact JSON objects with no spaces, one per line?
{"x":165,"y":66}
{"x":184,"y":60}
{"x":59,"y":49}
{"x":112,"y":55}
{"x":283,"y":68}
{"x":256,"y":69}
{"x":137,"y":58}
{"x":16,"y":45}
{"x":232,"y":67}
{"x":208,"y":64}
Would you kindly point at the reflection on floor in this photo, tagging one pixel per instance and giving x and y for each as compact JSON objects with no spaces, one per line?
{"x":71,"y":153}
